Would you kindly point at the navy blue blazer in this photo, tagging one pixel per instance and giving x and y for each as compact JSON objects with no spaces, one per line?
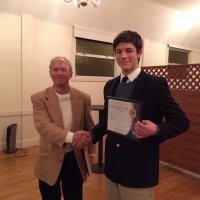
{"x":136,"y":163}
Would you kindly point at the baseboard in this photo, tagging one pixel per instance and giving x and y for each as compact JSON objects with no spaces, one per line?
{"x":22,"y":144}
{"x":178,"y":169}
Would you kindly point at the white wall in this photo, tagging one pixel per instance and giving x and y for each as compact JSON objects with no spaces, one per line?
{"x":40,"y":42}
{"x":154,"y":53}
{"x":10,"y":76}
{"x":27,"y":46}
{"x":194,"y":57}
{"x":10,"y":57}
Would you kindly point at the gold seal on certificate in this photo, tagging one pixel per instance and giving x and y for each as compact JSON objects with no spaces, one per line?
{"x":122,"y":115}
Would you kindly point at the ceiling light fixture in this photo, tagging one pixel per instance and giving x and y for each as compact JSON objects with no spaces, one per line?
{"x":79,"y":3}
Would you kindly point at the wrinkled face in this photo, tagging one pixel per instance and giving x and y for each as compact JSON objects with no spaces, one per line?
{"x":60,"y":73}
{"x":127,"y":57}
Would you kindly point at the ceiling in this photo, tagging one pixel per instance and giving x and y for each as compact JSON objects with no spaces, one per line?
{"x":156,"y":20}
{"x":178,"y":4}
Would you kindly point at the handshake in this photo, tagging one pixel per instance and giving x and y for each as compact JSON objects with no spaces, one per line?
{"x":81,"y":139}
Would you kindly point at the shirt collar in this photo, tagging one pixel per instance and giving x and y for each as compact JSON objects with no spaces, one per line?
{"x":63,"y":97}
{"x":133,"y":75}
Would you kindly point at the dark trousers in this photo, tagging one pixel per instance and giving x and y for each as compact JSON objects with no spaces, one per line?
{"x":69,"y":183}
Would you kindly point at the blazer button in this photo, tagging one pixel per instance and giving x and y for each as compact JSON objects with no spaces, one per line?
{"x":117,"y":145}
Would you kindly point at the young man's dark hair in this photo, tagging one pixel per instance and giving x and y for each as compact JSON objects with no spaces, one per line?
{"x":129,"y":36}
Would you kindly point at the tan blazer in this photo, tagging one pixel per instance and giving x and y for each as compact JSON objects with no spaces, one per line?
{"x":49,"y":124}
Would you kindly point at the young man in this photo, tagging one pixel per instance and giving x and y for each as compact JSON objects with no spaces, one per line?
{"x":59,"y":112}
{"x":132,"y":166}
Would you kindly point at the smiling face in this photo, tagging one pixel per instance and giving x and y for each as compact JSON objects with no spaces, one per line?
{"x":127,"y":57}
{"x":60,"y":72}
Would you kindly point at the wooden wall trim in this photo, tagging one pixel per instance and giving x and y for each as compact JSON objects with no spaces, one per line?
{"x":180,"y":77}
{"x":183,"y":151}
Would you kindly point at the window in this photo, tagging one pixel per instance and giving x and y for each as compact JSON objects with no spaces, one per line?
{"x":178,"y":56}
{"x":94,"y":58}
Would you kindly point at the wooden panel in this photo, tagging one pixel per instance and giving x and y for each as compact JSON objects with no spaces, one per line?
{"x":180,"y":77}
{"x":184,"y":150}
{"x":184,"y":82}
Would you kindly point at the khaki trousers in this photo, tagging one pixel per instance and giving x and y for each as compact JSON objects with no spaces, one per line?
{"x":117,"y":192}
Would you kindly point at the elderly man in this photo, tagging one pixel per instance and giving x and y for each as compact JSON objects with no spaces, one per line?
{"x":59,"y":112}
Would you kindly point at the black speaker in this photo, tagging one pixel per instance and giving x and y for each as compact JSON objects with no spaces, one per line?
{"x":11,"y":139}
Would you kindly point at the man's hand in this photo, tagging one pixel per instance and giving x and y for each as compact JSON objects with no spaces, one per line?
{"x":145,"y":128}
{"x":81,"y":139}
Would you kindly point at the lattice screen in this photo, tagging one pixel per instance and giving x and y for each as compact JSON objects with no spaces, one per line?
{"x":180,"y":77}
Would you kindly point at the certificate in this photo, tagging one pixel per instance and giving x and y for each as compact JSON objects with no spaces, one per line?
{"x":122,"y":115}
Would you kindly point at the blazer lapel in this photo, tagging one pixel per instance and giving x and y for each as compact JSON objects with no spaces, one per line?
{"x":77,"y":108}
{"x":113,"y":86}
{"x":138,"y":86}
{"x":54,"y":107}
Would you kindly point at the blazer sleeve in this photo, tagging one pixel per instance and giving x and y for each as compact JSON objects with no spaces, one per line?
{"x":175,"y":121}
